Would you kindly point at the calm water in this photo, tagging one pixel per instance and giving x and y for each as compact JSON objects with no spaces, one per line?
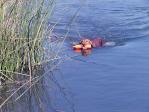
{"x":112,"y":79}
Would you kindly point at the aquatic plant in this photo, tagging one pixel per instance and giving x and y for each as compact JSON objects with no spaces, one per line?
{"x":23,"y":32}
{"x":23,"y":42}
{"x":23,"y":27}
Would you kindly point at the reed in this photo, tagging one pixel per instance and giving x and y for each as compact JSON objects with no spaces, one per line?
{"x":23,"y":31}
{"x":23,"y":27}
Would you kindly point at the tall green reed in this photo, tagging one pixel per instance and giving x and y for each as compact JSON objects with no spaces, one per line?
{"x":23,"y":26}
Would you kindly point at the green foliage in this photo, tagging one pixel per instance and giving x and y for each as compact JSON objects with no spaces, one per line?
{"x":23,"y":25}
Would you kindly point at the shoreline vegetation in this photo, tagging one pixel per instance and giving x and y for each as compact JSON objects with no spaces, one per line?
{"x":23,"y":30}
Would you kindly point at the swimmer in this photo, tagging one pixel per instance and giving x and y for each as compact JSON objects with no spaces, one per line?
{"x":95,"y":43}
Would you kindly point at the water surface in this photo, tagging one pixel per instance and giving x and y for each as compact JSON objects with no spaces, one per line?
{"x":113,"y":79}
{"x":110,"y":79}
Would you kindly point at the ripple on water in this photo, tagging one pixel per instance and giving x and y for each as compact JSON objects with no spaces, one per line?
{"x":109,"y":18}
{"x":113,"y":79}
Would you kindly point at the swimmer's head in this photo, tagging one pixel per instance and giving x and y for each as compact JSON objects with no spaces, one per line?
{"x":87,"y":44}
{"x":85,"y":41}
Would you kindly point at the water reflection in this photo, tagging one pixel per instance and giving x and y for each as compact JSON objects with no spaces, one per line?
{"x":44,"y":95}
{"x":83,"y":52}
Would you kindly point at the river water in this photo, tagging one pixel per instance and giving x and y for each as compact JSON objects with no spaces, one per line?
{"x":112,"y":79}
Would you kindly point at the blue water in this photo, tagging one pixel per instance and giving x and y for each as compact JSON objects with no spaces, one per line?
{"x":110,"y":79}
{"x":113,"y":79}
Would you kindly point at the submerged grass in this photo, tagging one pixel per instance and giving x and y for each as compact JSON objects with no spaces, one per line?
{"x":23,"y":26}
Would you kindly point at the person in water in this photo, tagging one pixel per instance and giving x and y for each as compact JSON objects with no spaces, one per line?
{"x":95,"y":43}
{"x":85,"y":45}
